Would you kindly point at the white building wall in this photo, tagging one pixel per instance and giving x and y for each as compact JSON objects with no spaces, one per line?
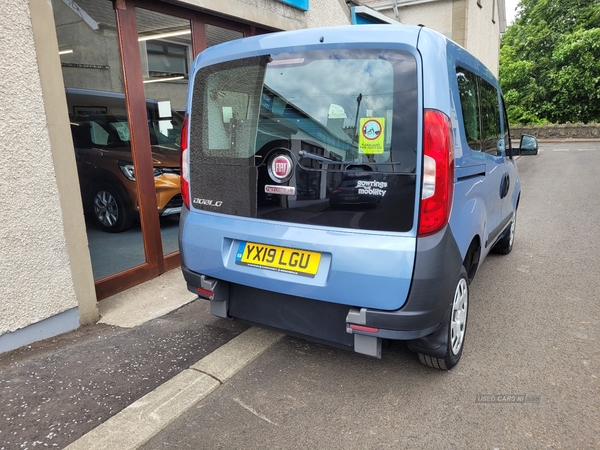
{"x":483,"y":35}
{"x":434,"y":15}
{"x":277,"y":15}
{"x":463,"y":21}
{"x":36,"y":279}
{"x":326,"y":13}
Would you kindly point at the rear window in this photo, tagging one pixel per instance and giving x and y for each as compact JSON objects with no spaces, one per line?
{"x":353,"y":105}
{"x":346,"y":119}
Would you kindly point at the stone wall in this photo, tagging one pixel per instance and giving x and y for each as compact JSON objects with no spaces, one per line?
{"x":566,"y":131}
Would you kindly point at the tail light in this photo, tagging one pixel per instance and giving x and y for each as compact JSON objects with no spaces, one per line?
{"x":438,"y":173}
{"x":185,"y":164}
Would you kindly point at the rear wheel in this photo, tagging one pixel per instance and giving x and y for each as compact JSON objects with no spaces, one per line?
{"x":457,"y":328}
{"x":110,"y":209}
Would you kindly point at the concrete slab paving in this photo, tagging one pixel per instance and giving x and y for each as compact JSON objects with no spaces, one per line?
{"x":140,"y":421}
{"x":145,"y":302}
{"x":54,"y":391}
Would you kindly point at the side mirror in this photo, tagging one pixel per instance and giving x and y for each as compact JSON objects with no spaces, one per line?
{"x":500,"y":147}
{"x":527,"y":146}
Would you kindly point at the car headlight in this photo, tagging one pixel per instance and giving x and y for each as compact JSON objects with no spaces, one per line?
{"x":129,"y":171}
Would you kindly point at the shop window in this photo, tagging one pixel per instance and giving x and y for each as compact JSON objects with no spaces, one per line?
{"x":167,"y":61}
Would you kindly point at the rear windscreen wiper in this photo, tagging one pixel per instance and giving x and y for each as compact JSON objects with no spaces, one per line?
{"x":305,"y":154}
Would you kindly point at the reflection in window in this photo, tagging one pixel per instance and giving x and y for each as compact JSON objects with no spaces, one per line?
{"x":490,"y":117}
{"x":481,"y":113}
{"x":167,"y":60}
{"x":286,"y":91}
{"x":217,"y":35}
{"x":93,"y":79}
{"x":308,"y":183}
{"x":165,"y":46}
{"x":467,"y":88}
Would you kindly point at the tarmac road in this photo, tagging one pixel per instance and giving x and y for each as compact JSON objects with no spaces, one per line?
{"x":528,"y":377}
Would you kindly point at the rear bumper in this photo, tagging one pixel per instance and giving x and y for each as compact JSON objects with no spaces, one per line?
{"x":437,"y":269}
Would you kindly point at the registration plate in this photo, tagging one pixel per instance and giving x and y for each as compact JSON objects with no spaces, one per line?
{"x":281,"y":259}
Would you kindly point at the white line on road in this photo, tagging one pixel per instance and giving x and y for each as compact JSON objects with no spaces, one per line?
{"x":253,"y":411}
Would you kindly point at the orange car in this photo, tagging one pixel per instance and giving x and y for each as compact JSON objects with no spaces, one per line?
{"x":105,"y":164}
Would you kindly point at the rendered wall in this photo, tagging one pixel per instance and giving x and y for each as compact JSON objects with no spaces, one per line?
{"x":434,"y":15}
{"x":463,"y":21}
{"x":38,"y":285}
{"x":276,"y":15}
{"x":483,"y":35}
{"x":327,"y":13}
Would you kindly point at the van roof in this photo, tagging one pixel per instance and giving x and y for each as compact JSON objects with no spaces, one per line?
{"x":314,"y":38}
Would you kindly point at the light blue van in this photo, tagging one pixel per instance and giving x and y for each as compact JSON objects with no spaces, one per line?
{"x":344,"y":184}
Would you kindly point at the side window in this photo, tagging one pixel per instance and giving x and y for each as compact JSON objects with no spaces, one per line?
{"x":467,"y":88}
{"x":490,"y":119}
{"x":99,"y":134}
{"x":481,"y":113}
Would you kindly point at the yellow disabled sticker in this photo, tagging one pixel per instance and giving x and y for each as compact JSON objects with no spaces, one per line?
{"x":371,"y":139}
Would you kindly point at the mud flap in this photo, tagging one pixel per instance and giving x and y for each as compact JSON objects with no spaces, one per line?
{"x":436,"y":343}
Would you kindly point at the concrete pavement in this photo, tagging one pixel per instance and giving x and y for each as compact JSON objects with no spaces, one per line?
{"x":143,"y":419}
{"x":155,"y":352}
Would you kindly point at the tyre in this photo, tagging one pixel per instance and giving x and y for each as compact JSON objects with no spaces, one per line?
{"x":505,"y":244}
{"x":111,"y":211}
{"x":457,"y":328}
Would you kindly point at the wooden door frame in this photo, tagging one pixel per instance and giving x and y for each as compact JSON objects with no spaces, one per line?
{"x":156,"y":262}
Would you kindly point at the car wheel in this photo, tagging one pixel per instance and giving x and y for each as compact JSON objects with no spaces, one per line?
{"x":505,"y":244}
{"x":111,"y":212}
{"x":457,"y":328}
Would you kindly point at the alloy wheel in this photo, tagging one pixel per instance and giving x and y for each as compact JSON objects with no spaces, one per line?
{"x":458,"y":324}
{"x":106,"y":208}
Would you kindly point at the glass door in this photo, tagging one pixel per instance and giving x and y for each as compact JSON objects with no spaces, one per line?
{"x":126,"y":66}
{"x":165,"y":44}
{"x":101,"y":132}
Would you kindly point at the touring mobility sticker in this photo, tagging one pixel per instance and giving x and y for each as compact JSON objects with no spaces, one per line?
{"x":372,"y":187}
